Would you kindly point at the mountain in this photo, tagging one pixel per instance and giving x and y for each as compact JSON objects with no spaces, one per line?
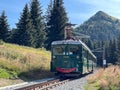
{"x":100,"y":27}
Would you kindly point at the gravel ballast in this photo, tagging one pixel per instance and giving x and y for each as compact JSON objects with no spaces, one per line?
{"x":78,"y":84}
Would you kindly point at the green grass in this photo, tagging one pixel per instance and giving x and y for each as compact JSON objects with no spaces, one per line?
{"x":4,"y":73}
{"x":7,"y":74}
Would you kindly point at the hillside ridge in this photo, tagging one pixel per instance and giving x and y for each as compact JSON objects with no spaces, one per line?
{"x":100,"y":26}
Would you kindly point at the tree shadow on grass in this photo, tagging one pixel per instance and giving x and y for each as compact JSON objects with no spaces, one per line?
{"x":35,"y":75}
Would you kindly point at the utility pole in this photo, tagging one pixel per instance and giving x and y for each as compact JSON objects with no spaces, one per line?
{"x":104,"y":60}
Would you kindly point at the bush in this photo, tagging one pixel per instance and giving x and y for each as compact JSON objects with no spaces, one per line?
{"x":1,"y":42}
{"x":4,"y":73}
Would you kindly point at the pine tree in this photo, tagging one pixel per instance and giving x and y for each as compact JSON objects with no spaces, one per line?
{"x":112,"y":52}
{"x":56,"y":23}
{"x":12,"y":35}
{"x":38,"y":24}
{"x":106,"y":54}
{"x":47,"y":19}
{"x":48,"y":12}
{"x":4,"y":27}
{"x":23,"y":33}
{"x":118,"y":50}
{"x":89,"y":44}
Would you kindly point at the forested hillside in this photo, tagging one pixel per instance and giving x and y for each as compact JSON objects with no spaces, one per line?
{"x":101,"y":27}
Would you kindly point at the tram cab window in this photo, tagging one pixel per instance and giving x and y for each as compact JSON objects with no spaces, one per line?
{"x":73,"y":49}
{"x":58,"y":50}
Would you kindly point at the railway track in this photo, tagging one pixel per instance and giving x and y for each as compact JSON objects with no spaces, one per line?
{"x":45,"y":85}
{"x":48,"y":85}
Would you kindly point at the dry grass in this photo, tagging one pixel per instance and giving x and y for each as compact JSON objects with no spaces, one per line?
{"x":108,"y":79}
{"x":25,"y":61}
{"x":5,"y":82}
{"x":92,"y":79}
{"x":24,"y":56}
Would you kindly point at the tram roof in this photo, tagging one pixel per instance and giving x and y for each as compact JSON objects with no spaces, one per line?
{"x":74,"y":42}
{"x":87,"y":48}
{"x":65,"y":42}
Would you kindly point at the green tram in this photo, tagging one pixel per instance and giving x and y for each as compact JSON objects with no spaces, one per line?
{"x":71,"y":58}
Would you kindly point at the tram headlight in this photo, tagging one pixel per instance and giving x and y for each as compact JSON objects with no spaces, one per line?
{"x":77,"y":57}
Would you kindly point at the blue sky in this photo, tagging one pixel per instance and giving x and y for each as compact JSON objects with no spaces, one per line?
{"x":78,"y":10}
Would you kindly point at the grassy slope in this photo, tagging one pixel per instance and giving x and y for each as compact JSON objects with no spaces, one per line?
{"x":23,"y":62}
{"x":108,"y":79}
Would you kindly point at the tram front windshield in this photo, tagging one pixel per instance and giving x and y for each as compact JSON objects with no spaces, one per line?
{"x":65,"y":50}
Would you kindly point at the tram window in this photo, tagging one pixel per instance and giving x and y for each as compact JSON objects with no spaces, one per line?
{"x":58,"y":50}
{"x":73,"y":49}
{"x":84,"y":52}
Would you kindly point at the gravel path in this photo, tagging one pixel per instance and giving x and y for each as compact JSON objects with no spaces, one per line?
{"x":74,"y":85}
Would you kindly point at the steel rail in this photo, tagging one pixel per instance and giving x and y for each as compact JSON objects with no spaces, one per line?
{"x":45,"y":85}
